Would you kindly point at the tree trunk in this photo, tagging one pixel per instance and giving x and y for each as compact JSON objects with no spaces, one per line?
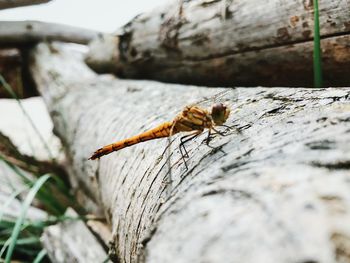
{"x":277,"y":191}
{"x":229,"y":43}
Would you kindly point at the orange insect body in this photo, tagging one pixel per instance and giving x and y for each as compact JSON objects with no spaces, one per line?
{"x":162,"y":130}
{"x":192,"y":118}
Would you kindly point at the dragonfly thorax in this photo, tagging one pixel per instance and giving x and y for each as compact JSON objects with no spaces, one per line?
{"x":220,"y":113}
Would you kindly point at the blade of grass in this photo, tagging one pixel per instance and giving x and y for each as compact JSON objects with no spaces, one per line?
{"x":318,"y":79}
{"x":45,"y":195}
{"x":8,"y":88}
{"x":40,"y":256}
{"x":3,"y":249}
{"x":25,"y":241}
{"x":24,"y":177}
{"x":11,"y":198}
{"x":16,"y":230}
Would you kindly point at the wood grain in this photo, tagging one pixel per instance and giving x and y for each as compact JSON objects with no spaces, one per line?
{"x":278,"y":191}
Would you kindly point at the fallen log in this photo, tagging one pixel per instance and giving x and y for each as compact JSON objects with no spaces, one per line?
{"x":72,"y":241}
{"x":4,"y":4}
{"x":241,"y":43}
{"x":277,"y":191}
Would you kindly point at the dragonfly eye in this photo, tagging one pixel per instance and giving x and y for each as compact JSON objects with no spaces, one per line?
{"x":219,"y":113}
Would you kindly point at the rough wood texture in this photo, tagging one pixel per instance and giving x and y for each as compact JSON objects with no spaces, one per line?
{"x":29,"y":32}
{"x":276,"y":192}
{"x":72,"y":241}
{"x":17,"y":3}
{"x":225,"y":42}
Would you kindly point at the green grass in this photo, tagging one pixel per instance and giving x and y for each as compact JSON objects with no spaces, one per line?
{"x":40,"y":256}
{"x":20,"y":237}
{"x":318,"y":79}
{"x":18,"y":225}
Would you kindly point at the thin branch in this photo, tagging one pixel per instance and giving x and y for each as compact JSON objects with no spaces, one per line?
{"x":28,"y":32}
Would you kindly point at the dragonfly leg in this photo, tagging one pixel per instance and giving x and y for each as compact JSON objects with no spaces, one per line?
{"x":219,"y":132}
{"x":230,"y":128}
{"x":209,"y":138}
{"x":184,"y":140}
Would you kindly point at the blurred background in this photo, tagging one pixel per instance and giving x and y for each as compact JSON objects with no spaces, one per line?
{"x":104,"y":15}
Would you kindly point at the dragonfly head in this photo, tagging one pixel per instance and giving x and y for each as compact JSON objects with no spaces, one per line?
{"x":220,"y":113}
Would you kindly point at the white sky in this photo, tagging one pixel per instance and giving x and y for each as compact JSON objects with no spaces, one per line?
{"x":101,"y":15}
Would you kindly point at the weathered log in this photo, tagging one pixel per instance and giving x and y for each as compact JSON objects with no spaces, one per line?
{"x":17,"y":3}
{"x":19,"y":33}
{"x":232,"y":43}
{"x":278,"y":191}
{"x":72,"y":241}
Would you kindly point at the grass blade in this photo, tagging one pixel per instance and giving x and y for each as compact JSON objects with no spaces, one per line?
{"x":40,"y":256}
{"x":318,"y":79}
{"x":16,"y":230}
{"x":11,"y":198}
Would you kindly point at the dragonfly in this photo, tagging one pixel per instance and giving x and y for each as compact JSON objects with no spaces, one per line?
{"x":193,"y":119}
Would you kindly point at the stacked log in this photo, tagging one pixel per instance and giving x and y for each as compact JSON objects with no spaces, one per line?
{"x":231,"y":43}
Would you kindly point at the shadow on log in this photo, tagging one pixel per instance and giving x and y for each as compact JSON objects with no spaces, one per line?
{"x":276,"y":192}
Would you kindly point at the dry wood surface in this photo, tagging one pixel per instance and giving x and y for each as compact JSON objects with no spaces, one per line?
{"x":277,"y":191}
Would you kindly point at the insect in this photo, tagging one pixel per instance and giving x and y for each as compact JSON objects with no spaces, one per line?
{"x":193,"y":118}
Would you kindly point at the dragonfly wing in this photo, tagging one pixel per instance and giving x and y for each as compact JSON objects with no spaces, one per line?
{"x":224,"y":96}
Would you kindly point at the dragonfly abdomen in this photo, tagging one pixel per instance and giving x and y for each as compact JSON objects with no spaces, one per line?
{"x":161,"y":131}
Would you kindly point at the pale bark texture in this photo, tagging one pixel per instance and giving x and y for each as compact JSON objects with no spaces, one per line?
{"x":18,"y":3}
{"x":277,"y":191}
{"x":225,"y":42}
{"x":20,"y":33}
{"x":72,"y":241}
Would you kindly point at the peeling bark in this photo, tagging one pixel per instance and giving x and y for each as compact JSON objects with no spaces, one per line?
{"x":278,"y":191}
{"x":229,"y":43}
